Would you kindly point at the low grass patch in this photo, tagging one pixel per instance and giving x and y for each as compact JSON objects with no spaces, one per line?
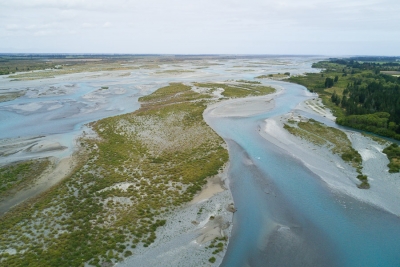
{"x":246,"y":81}
{"x":377,"y":139}
{"x":16,"y":176}
{"x":278,"y":76}
{"x":239,"y":90}
{"x":4,"y":97}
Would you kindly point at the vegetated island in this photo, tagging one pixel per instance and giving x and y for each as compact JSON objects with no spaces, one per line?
{"x":336,"y":140}
{"x":140,"y":169}
{"x":363,"y":93}
{"x":275,"y":76}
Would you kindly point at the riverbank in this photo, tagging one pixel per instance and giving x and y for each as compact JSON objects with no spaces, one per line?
{"x":243,"y":107}
{"x":311,"y":206}
{"x":54,"y":174}
{"x":336,"y":173}
{"x":185,"y":238}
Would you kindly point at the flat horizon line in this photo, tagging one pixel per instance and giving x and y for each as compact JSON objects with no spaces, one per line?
{"x":186,"y":55}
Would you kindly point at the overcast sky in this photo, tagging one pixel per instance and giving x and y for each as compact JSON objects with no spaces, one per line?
{"x":323,"y":27}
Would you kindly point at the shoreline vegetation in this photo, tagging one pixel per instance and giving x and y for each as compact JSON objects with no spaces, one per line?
{"x":18,"y":176}
{"x":238,"y":89}
{"x":333,"y":139}
{"x":141,"y":167}
{"x":276,"y":76}
{"x":362,"y":93}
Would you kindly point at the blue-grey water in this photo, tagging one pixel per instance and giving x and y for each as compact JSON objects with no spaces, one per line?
{"x":286,"y":215}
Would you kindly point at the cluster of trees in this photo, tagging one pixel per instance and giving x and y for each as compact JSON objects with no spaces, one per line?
{"x":376,"y":123}
{"x":329,"y":82}
{"x":371,"y":100}
{"x":393,"y":153}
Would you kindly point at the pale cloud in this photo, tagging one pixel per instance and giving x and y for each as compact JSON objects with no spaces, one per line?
{"x":207,"y":26}
{"x":12,"y":27}
{"x":107,"y":24}
{"x":87,"y":25}
{"x":42,"y":33}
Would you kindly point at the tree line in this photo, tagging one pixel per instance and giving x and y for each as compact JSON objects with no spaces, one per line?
{"x":371,"y":100}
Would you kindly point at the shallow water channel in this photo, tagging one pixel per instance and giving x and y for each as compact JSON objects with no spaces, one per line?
{"x":286,"y":215}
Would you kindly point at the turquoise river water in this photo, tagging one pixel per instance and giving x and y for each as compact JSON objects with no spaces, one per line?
{"x":286,"y":215}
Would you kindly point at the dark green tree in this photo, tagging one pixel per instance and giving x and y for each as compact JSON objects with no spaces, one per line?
{"x":336,"y":79}
{"x":328,"y":82}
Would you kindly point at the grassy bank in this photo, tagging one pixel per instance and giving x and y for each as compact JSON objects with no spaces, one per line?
{"x":239,"y":89}
{"x":331,"y":138}
{"x":4,"y":97}
{"x":17,"y":176}
{"x":364,"y":95}
{"x":275,"y":76}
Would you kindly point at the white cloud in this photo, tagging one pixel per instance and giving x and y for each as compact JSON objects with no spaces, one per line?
{"x":12,"y":27}
{"x":42,"y":33}
{"x":207,"y":26}
{"x":87,"y":25}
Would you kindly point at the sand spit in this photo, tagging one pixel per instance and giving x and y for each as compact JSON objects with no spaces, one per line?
{"x":315,"y":105}
{"x":21,"y":149}
{"x":215,"y":185}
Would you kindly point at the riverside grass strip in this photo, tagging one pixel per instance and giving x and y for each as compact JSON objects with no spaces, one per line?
{"x":334,"y":139}
{"x":4,"y":97}
{"x":19,"y":175}
{"x":241,"y":89}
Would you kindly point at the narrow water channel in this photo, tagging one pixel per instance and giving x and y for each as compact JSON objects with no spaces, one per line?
{"x":286,"y":215}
